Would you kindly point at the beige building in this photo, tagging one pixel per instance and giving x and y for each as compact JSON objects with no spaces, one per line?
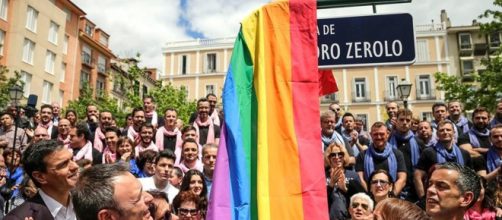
{"x":34,"y":45}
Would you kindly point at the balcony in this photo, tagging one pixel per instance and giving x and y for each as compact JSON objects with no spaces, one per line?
{"x":86,"y":59}
{"x":426,"y":95}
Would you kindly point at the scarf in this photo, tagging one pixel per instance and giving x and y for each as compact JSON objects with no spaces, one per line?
{"x":335,"y":137}
{"x":163,"y":132}
{"x":463,"y":123}
{"x":409,"y":137}
{"x":85,"y":152}
{"x":153,"y":116}
{"x":133,"y":135}
{"x":371,"y":153}
{"x":474,"y":134}
{"x":66,"y":141}
{"x":108,"y":153}
{"x":215,"y":117}
{"x":198,"y":166}
{"x":443,"y":155}
{"x":210,"y":132}
{"x":493,"y":160}
{"x":46,"y":126}
{"x":486,"y":214}
{"x":139,"y":148}
{"x":99,"y":138}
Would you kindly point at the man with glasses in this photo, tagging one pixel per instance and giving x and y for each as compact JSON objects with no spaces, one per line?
{"x":361,"y":207}
{"x":109,"y":191}
{"x":52,"y":169}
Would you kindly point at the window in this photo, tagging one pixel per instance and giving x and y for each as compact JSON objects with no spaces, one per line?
{"x":28,"y":51}
{"x":31,"y":19}
{"x":2,"y":41}
{"x":103,"y":39}
{"x":422,"y":51}
{"x":47,"y":90}
{"x":426,"y":116}
{"x":210,"y":89}
{"x":53,"y":33}
{"x":89,"y":28}
{"x":360,"y":92}
{"x":63,"y":72}
{"x":84,"y":79}
{"x":390,"y":88}
{"x":145,"y":91}
{"x":50,"y":59}
{"x":211,"y":63}
{"x":184,"y":64}
{"x":328,"y":98}
{"x":26,"y":78}
{"x":100,"y":86}
{"x":86,"y":55}
{"x":424,"y":86}
{"x":68,"y":14}
{"x":465,"y":41}
{"x":101,"y":64}
{"x":4,"y":4}
{"x":65,"y":44}
{"x":61,"y":97}
{"x":364,"y":118}
{"x":495,"y":40}
{"x":467,"y":67}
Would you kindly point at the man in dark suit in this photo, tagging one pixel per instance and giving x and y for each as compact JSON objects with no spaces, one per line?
{"x":53,"y":171}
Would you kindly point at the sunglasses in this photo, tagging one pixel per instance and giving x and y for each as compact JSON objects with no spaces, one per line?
{"x":356,"y":204}
{"x":382,"y":183}
{"x":335,"y":110}
{"x":339,"y":155}
{"x":153,"y":209}
{"x":185,"y":212}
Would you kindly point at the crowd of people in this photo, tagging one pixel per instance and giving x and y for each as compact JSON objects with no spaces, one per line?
{"x":407,"y":168}
{"x":55,"y":166}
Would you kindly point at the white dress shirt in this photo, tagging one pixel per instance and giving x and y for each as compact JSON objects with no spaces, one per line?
{"x":58,"y":211}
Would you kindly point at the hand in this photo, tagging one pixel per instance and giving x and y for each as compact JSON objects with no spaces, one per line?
{"x":93,"y":119}
{"x":29,"y":132}
{"x":499,"y":212}
{"x":109,"y":159}
{"x":125,"y":156}
{"x":393,"y":121}
{"x":341,"y":181}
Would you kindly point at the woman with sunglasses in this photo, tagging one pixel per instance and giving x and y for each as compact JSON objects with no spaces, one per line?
{"x":193,"y":182}
{"x":342,"y":183}
{"x":189,"y":206}
{"x":381,"y":185}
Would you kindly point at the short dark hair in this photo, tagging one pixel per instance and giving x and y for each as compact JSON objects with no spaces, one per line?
{"x":170,"y":109}
{"x":201,"y":100}
{"x":33,"y":157}
{"x":149,"y":97}
{"x":348,"y":114}
{"x":82,"y":129}
{"x":156,"y":194}
{"x":210,"y":94}
{"x":146,"y":156}
{"x":72,"y":111}
{"x":188,"y":128}
{"x":468,"y":180}
{"x":7,"y":113}
{"x":479,"y":110}
{"x":46,"y":106}
{"x":438,"y":104}
{"x":113,"y":129}
{"x":95,"y":188}
{"x":146,"y":125}
{"x":168,"y":154}
{"x":137,"y":110}
{"x":378,"y":124}
{"x":405,"y":112}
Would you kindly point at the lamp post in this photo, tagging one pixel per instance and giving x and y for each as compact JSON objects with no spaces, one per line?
{"x":403,"y":90}
{"x":15,"y":94}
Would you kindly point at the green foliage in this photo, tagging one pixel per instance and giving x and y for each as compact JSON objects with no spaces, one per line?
{"x":5,"y":84}
{"x":169,"y":96}
{"x":487,"y":86}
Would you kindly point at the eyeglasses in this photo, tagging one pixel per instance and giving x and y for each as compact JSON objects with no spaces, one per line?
{"x":153,"y":209}
{"x":339,"y":155}
{"x":356,"y":204}
{"x":381,"y":183}
{"x":185,"y":212}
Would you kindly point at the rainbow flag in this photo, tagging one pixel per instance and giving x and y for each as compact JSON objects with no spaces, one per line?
{"x":270,"y":163}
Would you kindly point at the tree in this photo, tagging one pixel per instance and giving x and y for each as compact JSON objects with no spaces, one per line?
{"x":5,"y":84}
{"x":487,"y":86}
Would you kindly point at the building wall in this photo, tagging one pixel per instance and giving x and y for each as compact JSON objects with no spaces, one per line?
{"x":47,"y":12}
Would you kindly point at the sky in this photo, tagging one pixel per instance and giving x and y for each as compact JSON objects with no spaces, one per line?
{"x":144,"y":26}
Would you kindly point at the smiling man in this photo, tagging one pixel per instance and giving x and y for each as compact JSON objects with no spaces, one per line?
{"x":209,"y":153}
{"x":52,"y":169}
{"x":109,"y":191}
{"x":207,"y":131}
{"x":160,"y":180}
{"x":452,"y":190}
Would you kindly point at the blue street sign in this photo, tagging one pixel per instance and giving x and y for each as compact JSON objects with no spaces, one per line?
{"x":366,"y":41}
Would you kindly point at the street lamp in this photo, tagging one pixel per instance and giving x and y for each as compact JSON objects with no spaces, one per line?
{"x":15,"y":95}
{"x":403,"y":90}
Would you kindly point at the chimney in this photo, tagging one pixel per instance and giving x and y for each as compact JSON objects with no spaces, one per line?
{"x":445,"y":20}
